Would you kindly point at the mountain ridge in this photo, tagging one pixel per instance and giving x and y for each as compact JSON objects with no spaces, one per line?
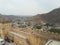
{"x":51,"y":17}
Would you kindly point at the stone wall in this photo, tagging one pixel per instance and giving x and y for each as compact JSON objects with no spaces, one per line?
{"x":32,"y":39}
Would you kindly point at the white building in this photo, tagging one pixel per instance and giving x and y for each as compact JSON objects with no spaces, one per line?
{"x":53,"y":42}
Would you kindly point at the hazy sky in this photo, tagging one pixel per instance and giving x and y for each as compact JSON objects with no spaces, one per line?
{"x":27,"y":7}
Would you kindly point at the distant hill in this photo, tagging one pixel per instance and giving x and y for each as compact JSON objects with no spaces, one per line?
{"x":51,"y":17}
{"x":13,"y":18}
{"x":8,"y":17}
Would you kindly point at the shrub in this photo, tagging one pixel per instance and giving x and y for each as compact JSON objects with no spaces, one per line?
{"x":37,"y":26}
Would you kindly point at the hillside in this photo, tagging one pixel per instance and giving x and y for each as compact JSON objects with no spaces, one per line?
{"x":51,"y":17}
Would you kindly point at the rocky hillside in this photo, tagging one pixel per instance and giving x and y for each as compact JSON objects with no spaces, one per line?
{"x":51,"y":17}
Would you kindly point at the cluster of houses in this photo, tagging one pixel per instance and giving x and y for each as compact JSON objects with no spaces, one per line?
{"x":45,"y":26}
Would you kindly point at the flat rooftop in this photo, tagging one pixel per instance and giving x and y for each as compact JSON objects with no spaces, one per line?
{"x":53,"y":42}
